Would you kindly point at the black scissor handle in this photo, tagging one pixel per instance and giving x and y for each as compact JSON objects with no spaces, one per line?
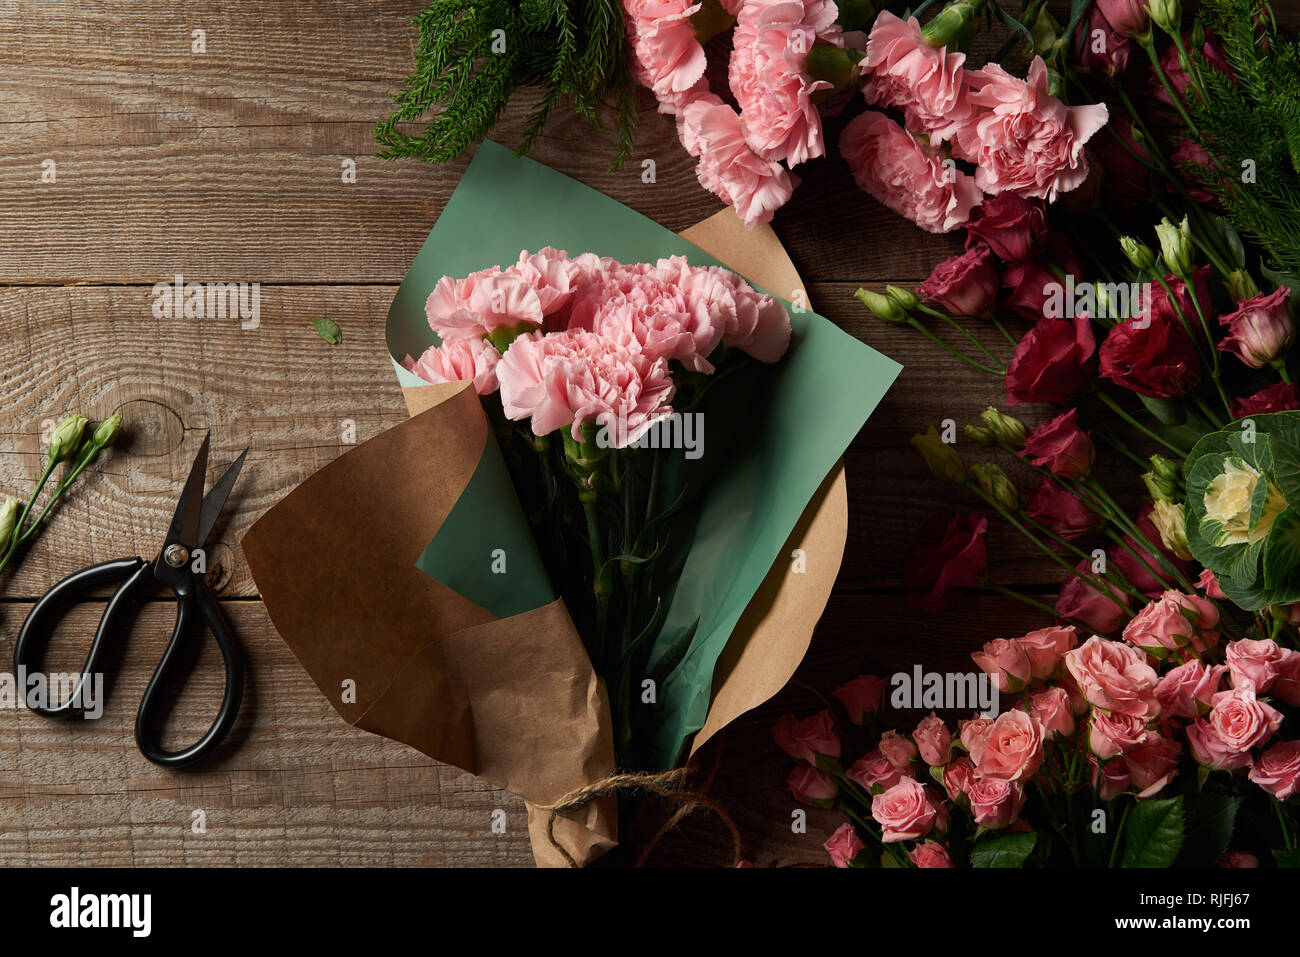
{"x":39,"y":625}
{"x":191,"y":599}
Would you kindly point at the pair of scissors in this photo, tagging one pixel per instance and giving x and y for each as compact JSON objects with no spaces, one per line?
{"x":174,"y":567}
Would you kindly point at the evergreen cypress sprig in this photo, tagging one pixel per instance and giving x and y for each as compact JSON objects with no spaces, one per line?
{"x":572,"y":49}
{"x":1252,"y":115}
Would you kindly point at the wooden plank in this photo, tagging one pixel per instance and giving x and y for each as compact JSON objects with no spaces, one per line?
{"x":292,"y":784}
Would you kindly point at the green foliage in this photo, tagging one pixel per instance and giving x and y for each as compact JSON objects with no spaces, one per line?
{"x":1253,"y":115}
{"x":1153,"y":833}
{"x":1006,"y":850}
{"x":328,"y":330}
{"x":471,"y":57}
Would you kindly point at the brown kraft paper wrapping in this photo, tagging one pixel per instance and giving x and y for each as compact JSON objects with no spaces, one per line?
{"x":514,"y":701}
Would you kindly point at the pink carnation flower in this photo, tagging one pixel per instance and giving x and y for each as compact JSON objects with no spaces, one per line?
{"x":927,"y":83}
{"x":728,"y":166}
{"x":1022,"y":139}
{"x":906,"y":175}
{"x":753,"y":322}
{"x":768,"y":79}
{"x":457,"y":360}
{"x":574,"y":377}
{"x":667,"y":56}
{"x":481,"y":303}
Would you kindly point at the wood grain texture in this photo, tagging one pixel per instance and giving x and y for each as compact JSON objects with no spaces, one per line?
{"x":225,"y":166}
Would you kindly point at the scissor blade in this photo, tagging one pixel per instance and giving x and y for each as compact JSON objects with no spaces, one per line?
{"x":215,"y":500}
{"x":185,"y":523}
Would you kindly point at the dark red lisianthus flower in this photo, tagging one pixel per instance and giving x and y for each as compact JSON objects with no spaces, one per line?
{"x":1079,"y":599}
{"x":950,"y":559}
{"x":964,"y":285}
{"x":1192,"y":153}
{"x":1054,"y":362}
{"x":1013,"y":227}
{"x":1170,"y":308}
{"x":1061,"y":446}
{"x":1280,"y":397}
{"x":1100,"y":48}
{"x":1061,"y":510}
{"x":1026,"y":286}
{"x":1174,"y":68}
{"x":1127,"y":181}
{"x":1151,"y":357}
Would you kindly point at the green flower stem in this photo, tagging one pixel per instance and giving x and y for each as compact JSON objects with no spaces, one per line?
{"x":15,"y":538}
{"x":1150,"y":47}
{"x":1003,"y":329}
{"x":1119,"y":834}
{"x":1138,"y":535}
{"x":1114,"y":442}
{"x":1119,"y":410}
{"x":1033,"y":603}
{"x":59,"y":490}
{"x":1288,"y":839}
{"x":915,"y":324}
{"x":1019,"y":526}
{"x":963,"y":330}
{"x":1205,"y":327}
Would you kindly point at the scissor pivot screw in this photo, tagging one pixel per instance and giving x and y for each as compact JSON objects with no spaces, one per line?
{"x":176,"y":555}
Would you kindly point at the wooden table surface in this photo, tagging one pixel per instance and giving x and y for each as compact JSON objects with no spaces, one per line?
{"x":225,"y":166}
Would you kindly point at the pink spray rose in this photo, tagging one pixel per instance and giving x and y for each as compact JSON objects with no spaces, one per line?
{"x":1006,"y":663}
{"x":1061,"y":446}
{"x":808,"y":739}
{"x":728,"y":167}
{"x":973,"y":733}
{"x":1211,"y":751}
{"x":767,"y":76}
{"x":902,"y":70}
{"x":995,"y":802}
{"x":1046,"y":648}
{"x":1278,"y":770}
{"x":456,"y":360}
{"x":1210,"y":585}
{"x":1080,"y":599}
{"x":933,"y":740}
{"x":1256,"y":663}
{"x":575,"y":377}
{"x":1114,"y":676}
{"x":844,"y":845}
{"x":874,"y":773}
{"x":963,"y":285}
{"x":1172,"y":622}
{"x":1261,"y":330}
{"x":957,"y":777}
{"x":1022,"y":139}
{"x":930,"y":854}
{"x":1051,"y":709}
{"x":1110,"y":778}
{"x":1241,"y":720}
{"x":904,"y":812}
{"x":810,"y":786}
{"x":1013,"y":749}
{"x":1188,"y":690}
{"x":897,"y":749}
{"x":1152,"y":764}
{"x":907,"y":175}
{"x":1111,"y":734}
{"x":1236,"y":859}
{"x":861,"y":697}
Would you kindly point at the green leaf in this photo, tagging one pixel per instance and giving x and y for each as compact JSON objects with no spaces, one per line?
{"x":329,"y":330}
{"x":1211,"y":816}
{"x":1282,"y":278}
{"x":1233,"y":241}
{"x":1282,"y":552}
{"x":1154,"y":833}
{"x":1286,"y":469}
{"x":1287,"y":859}
{"x":1008,"y":850}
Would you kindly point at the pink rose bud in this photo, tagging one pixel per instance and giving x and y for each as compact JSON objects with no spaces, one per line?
{"x":843,"y":846}
{"x":1241,"y":721}
{"x":957,"y":778}
{"x":1110,"y":778}
{"x":1081,"y":600}
{"x":873,"y":773}
{"x":1210,"y":750}
{"x":933,"y":740}
{"x":1046,"y":649}
{"x":1210,"y":585}
{"x":1256,"y":662}
{"x":1238,"y":859}
{"x":1173,"y":622}
{"x":1152,"y":764}
{"x":809,"y":739}
{"x":810,"y":786}
{"x":861,"y":697}
{"x":1113,"y":734}
{"x":1261,"y":330}
{"x":1013,"y":748}
{"x":1278,"y":770}
{"x":1006,"y":663}
{"x":1188,"y":690}
{"x":930,"y":854}
{"x":897,"y":749}
{"x":1051,"y":708}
